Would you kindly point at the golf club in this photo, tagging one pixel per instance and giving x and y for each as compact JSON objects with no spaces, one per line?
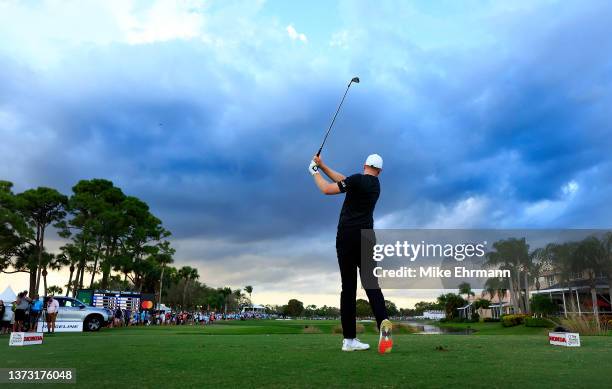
{"x":353,"y":80}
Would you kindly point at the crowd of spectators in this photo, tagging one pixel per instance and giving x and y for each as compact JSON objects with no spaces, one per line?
{"x":128,"y":317}
{"x":27,"y":312}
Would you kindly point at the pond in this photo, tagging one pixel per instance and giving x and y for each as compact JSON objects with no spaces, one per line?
{"x":430,"y":329}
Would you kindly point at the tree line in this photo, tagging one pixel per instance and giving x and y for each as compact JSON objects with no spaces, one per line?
{"x":105,"y":229}
{"x":108,"y":235}
{"x":296,"y":308}
{"x":589,"y":259}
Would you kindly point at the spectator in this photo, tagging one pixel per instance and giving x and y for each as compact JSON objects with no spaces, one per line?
{"x":22,"y":305}
{"x":52,"y":308}
{"x":4,"y":324}
{"x":35,"y":310}
{"x":118,"y":316}
{"x":127,"y":317}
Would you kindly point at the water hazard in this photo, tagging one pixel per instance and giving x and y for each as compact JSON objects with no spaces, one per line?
{"x":430,"y":329}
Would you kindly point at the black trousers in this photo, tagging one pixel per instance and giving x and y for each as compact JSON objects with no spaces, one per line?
{"x":348,"y":248}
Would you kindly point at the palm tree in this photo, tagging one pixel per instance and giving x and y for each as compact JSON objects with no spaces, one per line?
{"x":225,"y":292}
{"x":531,"y":267}
{"x":59,"y":262}
{"x":563,"y":262}
{"x":590,"y":255}
{"x":84,"y":249}
{"x":54,"y":290}
{"x":511,"y":254}
{"x":249,"y":290}
{"x":164,"y":259}
{"x":70,"y":256}
{"x":466,"y":289}
{"x":451,"y":302}
{"x":187,"y":274}
{"x":52,"y":262}
{"x":497,"y":287}
{"x":607,"y":244}
{"x":237,"y":294}
{"x":539,"y":262}
{"x":490,"y":287}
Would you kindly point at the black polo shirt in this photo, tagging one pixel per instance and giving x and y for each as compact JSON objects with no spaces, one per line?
{"x":362,"y":191}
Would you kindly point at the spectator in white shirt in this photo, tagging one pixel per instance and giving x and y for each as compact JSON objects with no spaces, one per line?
{"x":52,"y":307}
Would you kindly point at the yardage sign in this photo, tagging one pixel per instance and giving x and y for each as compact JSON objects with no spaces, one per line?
{"x":567,"y":339}
{"x":25,"y":338}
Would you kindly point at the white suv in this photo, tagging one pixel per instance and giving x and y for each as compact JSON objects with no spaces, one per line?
{"x":93,"y":318}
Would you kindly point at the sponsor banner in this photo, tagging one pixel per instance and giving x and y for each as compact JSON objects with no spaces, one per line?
{"x":147,"y":302}
{"x":25,"y":338}
{"x":567,"y":339}
{"x":62,"y":326}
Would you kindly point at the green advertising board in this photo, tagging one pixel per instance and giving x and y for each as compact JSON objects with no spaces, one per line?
{"x":85,"y":296}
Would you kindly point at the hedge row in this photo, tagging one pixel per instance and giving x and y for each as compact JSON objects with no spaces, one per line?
{"x":513,"y":320}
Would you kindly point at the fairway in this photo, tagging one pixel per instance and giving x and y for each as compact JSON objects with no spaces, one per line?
{"x":280,"y":354}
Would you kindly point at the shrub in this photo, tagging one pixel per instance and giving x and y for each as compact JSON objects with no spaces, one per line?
{"x":542,"y":304}
{"x":475,"y":317}
{"x":513,"y":320}
{"x":538,"y":322}
{"x":490,"y":320}
{"x":451,"y":302}
{"x":481,"y":303}
{"x":584,"y":325}
{"x":606,"y":320}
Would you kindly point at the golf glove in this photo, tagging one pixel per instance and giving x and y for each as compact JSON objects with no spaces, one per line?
{"x":313,"y":168}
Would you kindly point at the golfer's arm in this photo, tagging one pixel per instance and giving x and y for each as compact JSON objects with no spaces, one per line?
{"x":332,"y":174}
{"x":328,"y":188}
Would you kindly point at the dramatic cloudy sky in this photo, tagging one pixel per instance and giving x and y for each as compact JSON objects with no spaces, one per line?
{"x":488,"y":114}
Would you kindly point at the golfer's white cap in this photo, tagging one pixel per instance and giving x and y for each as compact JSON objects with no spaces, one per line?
{"x":374,"y":160}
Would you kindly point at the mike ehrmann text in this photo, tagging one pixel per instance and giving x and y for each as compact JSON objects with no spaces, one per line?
{"x":437,"y":272}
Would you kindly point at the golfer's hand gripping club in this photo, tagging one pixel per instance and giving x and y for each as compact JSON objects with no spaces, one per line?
{"x":313,"y":168}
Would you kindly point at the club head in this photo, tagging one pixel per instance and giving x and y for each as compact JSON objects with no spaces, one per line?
{"x":355,"y":80}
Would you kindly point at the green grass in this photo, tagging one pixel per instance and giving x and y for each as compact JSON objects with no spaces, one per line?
{"x":279,"y":354}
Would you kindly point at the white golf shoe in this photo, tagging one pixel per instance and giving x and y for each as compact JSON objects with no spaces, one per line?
{"x":354,"y":345}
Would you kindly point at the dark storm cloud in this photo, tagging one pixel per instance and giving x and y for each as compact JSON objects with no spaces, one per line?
{"x":529,"y":120}
{"x":218,"y":152}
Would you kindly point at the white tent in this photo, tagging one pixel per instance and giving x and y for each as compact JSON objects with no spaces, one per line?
{"x":254,"y":308}
{"x":8,"y":296}
{"x":163,"y":308}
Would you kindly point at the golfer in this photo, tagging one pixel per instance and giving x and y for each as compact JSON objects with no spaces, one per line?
{"x":362,"y":191}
